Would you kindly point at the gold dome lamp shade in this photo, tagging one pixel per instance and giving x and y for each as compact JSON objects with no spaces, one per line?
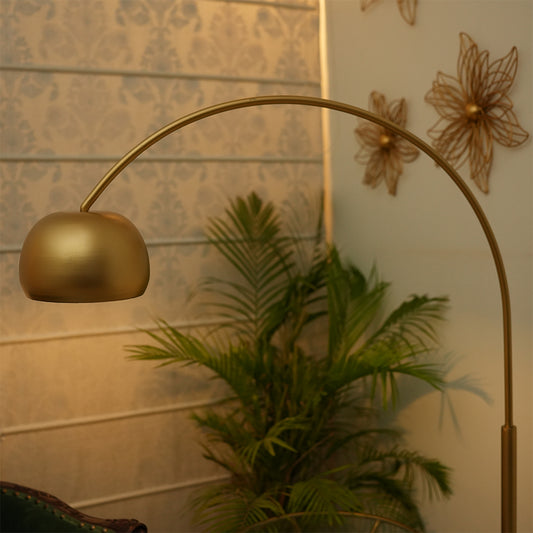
{"x":84,"y":257}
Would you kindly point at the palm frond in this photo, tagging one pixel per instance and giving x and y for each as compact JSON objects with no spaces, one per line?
{"x":412,"y":323}
{"x":297,"y":433}
{"x":396,"y":463}
{"x":357,"y":520}
{"x":353,"y":303}
{"x":224,"y":428}
{"x":383,"y":364}
{"x":250,"y":239}
{"x":224,"y":508}
{"x":343,"y":441}
{"x":405,"y":335}
{"x":324,"y":496}
{"x":172,"y":346}
{"x":273,"y":439}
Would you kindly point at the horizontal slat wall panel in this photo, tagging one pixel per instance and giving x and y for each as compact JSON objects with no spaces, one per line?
{"x":87,"y":115}
{"x":166,"y":511}
{"x":163,"y":199}
{"x":81,"y":82}
{"x":296,"y":4}
{"x":136,"y":453}
{"x":206,"y":37}
{"x":88,"y":377}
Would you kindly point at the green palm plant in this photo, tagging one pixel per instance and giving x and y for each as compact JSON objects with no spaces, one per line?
{"x":298,"y":433}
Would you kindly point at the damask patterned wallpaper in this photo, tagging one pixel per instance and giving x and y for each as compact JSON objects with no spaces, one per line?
{"x":82,"y":81}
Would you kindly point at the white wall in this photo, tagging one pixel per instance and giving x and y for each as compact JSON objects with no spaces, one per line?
{"x":427,"y":240}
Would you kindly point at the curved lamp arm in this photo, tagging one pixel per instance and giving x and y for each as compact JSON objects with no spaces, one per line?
{"x":114,"y":229}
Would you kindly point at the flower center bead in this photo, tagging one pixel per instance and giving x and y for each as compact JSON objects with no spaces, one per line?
{"x":473,"y":112}
{"x":385,"y":140}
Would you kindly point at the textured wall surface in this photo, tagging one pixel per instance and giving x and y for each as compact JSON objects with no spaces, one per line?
{"x":82,"y":81}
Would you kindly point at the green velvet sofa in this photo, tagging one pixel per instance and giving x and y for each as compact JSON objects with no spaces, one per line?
{"x":27,"y":510}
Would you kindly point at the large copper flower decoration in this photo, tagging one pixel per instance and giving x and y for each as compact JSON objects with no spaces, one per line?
{"x":382,"y":151}
{"x":475,"y":110}
{"x":407,"y":9}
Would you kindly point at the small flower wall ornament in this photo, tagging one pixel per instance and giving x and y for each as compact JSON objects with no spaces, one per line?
{"x":407,"y":9}
{"x":475,"y":110}
{"x":382,"y":151}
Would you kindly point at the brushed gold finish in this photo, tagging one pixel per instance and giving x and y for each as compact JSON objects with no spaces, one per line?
{"x":473,"y":111}
{"x":385,"y":140}
{"x":46,"y":275}
{"x":84,"y":257}
{"x":508,"y":474}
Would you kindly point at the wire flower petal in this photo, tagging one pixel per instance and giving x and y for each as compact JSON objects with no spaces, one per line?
{"x":407,"y":9}
{"x":480,"y":157}
{"x":382,"y":151}
{"x":474,"y":110}
{"x":506,"y":130}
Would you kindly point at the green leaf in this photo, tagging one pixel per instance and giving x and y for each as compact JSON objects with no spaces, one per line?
{"x":323,"y":496}
{"x":412,"y":323}
{"x":273,"y":439}
{"x":225,"y":508}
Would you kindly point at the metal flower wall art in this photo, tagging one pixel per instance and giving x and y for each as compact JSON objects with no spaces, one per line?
{"x":475,"y":110}
{"x":382,"y":151}
{"x":407,"y":9}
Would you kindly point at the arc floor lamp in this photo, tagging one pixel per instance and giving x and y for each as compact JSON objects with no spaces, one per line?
{"x":91,"y":256}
